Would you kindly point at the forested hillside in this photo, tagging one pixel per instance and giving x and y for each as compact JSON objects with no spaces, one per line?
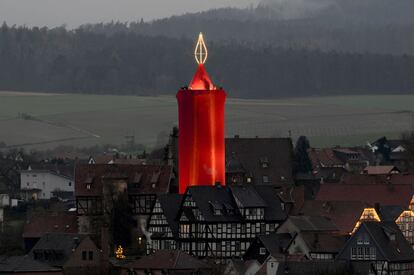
{"x":376,"y":26}
{"x":78,"y":61}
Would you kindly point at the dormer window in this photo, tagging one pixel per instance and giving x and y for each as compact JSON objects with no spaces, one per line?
{"x":137,"y":179}
{"x":264,"y":162}
{"x":217,"y":208}
{"x":229,"y":209}
{"x":155,"y":177}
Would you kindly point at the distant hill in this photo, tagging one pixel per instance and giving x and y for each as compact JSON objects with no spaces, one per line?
{"x":340,"y":25}
{"x":81,"y":61}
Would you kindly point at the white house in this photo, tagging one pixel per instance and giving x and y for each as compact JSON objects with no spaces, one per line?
{"x":45,"y":183}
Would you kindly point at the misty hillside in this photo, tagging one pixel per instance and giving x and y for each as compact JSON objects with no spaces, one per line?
{"x":79,"y":61}
{"x":340,"y":25}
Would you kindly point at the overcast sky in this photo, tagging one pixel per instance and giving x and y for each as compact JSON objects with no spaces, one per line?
{"x":76,"y":12}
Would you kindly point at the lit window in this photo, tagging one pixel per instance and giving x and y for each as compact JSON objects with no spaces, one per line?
{"x":265,"y":179}
{"x":262,"y":251}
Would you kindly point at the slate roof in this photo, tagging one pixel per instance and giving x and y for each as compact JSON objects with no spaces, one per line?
{"x":270,"y":196}
{"x":264,"y":196}
{"x":53,"y":222}
{"x":311,"y":267}
{"x":344,"y":214}
{"x":170,"y":204}
{"x":384,"y":194}
{"x":10,"y":265}
{"x":312,"y":223}
{"x":204,"y":195}
{"x":394,"y":251}
{"x":96,"y":174}
{"x":62,"y":243}
{"x":169,"y":260}
{"x":247,"y":196}
{"x":389,"y":213}
{"x":276,"y":243}
{"x":251,"y":152}
{"x":323,"y":242}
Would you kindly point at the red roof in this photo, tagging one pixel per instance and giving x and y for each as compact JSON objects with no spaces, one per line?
{"x":324,"y":157}
{"x":384,"y":194}
{"x":380,"y":170}
{"x":377,"y":179}
{"x":141,"y":179}
{"x":55,"y":222}
{"x":201,"y":80}
{"x":169,"y":260}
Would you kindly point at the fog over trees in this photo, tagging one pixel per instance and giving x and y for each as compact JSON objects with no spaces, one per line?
{"x":277,"y":49}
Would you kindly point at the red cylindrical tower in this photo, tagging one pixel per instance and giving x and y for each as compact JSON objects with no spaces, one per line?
{"x":201,"y":158}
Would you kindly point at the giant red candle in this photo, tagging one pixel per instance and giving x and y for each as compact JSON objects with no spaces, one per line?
{"x":201,"y":156}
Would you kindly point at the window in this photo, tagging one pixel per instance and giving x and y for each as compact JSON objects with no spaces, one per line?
{"x":249,"y":179}
{"x":84,"y":256}
{"x":70,"y":183}
{"x":90,"y":255}
{"x":262,"y":251}
{"x":265,"y":179}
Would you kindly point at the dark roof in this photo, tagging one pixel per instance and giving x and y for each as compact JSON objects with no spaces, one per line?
{"x":154,"y":179}
{"x":323,"y":242}
{"x":170,"y":204}
{"x":275,"y":243}
{"x":270,"y":196}
{"x":206,"y":197}
{"x":65,"y":170}
{"x":51,"y":222}
{"x":384,"y":194}
{"x":312,"y":223}
{"x":61,"y":243}
{"x":247,"y":196}
{"x":311,"y":267}
{"x":252,"y":152}
{"x":401,"y":178}
{"x":389,"y":213}
{"x":234,"y":165}
{"x":344,"y":214}
{"x":393,"y":250}
{"x":24,"y":264}
{"x":169,"y":260}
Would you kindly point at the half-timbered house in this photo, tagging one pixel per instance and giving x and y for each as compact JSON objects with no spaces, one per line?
{"x":98,"y":185}
{"x":379,"y":248}
{"x":162,"y":224}
{"x":220,"y":222}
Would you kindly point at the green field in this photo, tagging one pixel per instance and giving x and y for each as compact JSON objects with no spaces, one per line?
{"x":84,"y":120}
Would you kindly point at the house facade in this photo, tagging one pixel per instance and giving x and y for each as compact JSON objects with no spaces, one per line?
{"x":379,"y":248}
{"x":220,"y":222}
{"x":44,"y":183}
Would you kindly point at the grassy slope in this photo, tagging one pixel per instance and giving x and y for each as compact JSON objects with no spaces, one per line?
{"x":89,"y":119}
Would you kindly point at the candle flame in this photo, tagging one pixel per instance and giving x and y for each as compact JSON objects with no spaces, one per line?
{"x":200,"y":52}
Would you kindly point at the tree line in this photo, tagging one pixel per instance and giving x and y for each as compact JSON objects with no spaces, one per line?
{"x":84,"y":61}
